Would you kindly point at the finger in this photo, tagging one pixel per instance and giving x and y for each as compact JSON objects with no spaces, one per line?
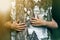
{"x":20,"y":27}
{"x":21,"y":23}
{"x":33,"y":24}
{"x":19,"y":30}
{"x":18,"y":24}
{"x":33,"y":18}
{"x":25,"y":25}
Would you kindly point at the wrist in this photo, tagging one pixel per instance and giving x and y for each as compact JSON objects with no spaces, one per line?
{"x":45,"y":23}
{"x":12,"y":26}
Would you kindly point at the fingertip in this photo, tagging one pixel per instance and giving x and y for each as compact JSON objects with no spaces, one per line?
{"x":33,"y":19}
{"x":25,"y":25}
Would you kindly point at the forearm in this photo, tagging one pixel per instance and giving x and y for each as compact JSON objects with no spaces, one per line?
{"x":51,"y":24}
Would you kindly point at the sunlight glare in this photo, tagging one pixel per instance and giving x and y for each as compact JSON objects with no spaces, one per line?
{"x":5,"y":5}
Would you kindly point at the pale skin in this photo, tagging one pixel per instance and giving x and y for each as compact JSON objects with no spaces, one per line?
{"x":35,"y":22}
{"x":15,"y":26}
{"x":21,"y":26}
{"x":41,"y":22}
